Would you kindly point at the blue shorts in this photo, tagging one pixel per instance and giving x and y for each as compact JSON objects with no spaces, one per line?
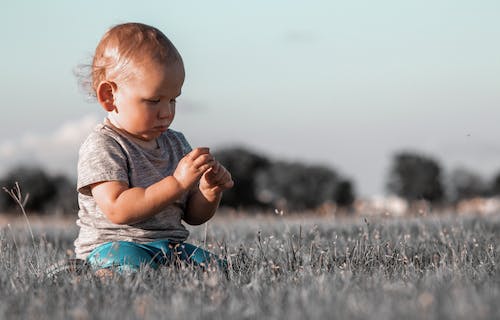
{"x":130,"y":256}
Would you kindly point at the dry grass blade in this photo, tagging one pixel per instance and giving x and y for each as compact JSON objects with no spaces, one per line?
{"x":16,"y":194}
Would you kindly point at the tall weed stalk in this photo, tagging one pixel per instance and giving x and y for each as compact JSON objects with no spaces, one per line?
{"x":16,"y":194}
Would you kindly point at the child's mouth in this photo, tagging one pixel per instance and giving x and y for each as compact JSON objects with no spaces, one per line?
{"x":161,"y":128}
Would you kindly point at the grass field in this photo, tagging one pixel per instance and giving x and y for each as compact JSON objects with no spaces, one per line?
{"x":301,"y":267}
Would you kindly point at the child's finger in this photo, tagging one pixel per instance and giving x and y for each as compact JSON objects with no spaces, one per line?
{"x":195,"y":153}
{"x":216,"y":167}
{"x":229,"y":184}
{"x":226,"y":185}
{"x":203,"y":160}
{"x":221,"y":176}
{"x":209,"y":176}
{"x":205,"y":167}
{"x":223,"y":179}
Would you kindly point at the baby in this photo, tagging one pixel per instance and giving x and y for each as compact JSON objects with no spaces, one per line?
{"x":138,"y":179}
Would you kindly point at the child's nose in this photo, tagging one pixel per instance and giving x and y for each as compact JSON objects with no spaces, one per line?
{"x":167,"y":111}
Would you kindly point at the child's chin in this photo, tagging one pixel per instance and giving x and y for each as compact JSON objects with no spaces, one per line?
{"x":150,"y":136}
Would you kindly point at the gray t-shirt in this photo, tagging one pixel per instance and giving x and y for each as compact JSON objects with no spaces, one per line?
{"x":108,"y":155}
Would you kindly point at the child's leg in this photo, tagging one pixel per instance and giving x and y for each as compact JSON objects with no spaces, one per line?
{"x":124,"y":256}
{"x":196,"y":255}
{"x":154,"y":254}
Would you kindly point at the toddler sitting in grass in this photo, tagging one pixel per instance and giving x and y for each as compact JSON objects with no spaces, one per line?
{"x":137,"y":178}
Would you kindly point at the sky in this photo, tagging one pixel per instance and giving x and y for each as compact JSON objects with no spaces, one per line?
{"x":345,"y":84}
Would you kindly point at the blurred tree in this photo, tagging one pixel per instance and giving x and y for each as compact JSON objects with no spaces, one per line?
{"x":243,"y":165}
{"x":45,"y":192}
{"x":465,"y":184}
{"x":262,"y":183}
{"x":32,"y":181}
{"x":344,"y":193}
{"x":415,"y":177}
{"x":295,"y":186}
{"x":495,"y":186}
{"x":66,"y":199}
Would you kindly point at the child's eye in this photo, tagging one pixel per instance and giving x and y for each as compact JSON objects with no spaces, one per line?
{"x":152,"y":100}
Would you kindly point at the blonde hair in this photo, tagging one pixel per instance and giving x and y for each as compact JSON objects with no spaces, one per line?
{"x":122,"y":45}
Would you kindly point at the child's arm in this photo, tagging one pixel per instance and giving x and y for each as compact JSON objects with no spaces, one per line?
{"x":204,"y":202}
{"x":124,"y":205}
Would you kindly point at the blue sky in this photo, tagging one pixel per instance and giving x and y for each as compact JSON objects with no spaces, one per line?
{"x":341,"y":83}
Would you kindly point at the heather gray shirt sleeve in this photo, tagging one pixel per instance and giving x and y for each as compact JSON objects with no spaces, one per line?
{"x":101,"y":158}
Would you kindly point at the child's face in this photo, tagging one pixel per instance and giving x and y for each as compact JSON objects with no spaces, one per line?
{"x":145,"y":103}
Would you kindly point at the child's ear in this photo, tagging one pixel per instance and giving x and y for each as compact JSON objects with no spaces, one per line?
{"x":105,"y":95}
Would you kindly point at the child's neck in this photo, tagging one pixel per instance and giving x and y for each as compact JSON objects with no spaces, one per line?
{"x":149,"y":145}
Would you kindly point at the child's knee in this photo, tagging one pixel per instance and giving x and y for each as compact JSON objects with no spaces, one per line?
{"x":122,"y":255}
{"x":199,"y":256}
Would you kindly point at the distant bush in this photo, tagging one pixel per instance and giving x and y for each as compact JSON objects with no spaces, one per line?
{"x":243,"y":165}
{"x":46,"y":193}
{"x":295,"y":186}
{"x":344,"y":193}
{"x":494,"y":189}
{"x":466,"y":184}
{"x":260,"y":182}
{"x":66,"y":199}
{"x":415,"y":177}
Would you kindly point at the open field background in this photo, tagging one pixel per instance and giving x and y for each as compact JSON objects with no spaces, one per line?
{"x":299,"y":267}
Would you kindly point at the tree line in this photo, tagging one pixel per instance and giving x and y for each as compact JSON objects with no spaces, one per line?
{"x":45,"y":192}
{"x":414,"y":176}
{"x":264,"y":183}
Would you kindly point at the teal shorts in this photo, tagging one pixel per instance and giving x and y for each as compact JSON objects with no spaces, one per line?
{"x":130,"y":256}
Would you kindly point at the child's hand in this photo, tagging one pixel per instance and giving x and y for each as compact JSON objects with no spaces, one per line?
{"x":215,"y":180}
{"x":192,"y":166}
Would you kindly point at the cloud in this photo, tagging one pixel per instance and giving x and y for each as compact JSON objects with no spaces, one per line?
{"x":57,"y":151}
